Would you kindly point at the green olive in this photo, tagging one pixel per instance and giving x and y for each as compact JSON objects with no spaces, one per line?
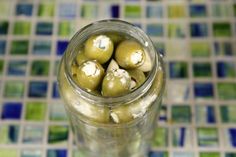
{"x":89,"y":75}
{"x":115,"y":37}
{"x":147,"y":65}
{"x":80,"y":58}
{"x":73,"y":69}
{"x":137,"y":76}
{"x":112,"y":65}
{"x":129,"y":54}
{"x":99,"y":47}
{"x":116,"y":83}
{"x":121,"y":114}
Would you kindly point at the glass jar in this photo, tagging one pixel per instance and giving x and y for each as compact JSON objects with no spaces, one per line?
{"x":135,"y":113}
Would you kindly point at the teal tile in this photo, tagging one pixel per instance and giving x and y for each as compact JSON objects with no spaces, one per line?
{"x":57,"y":112}
{"x":230,"y":154}
{"x":160,"y":137}
{"x":207,"y":137}
{"x":226,"y":90}
{"x":40,"y":68}
{"x":19,"y":47}
{"x":132,"y":11}
{"x":222,"y":29}
{"x":227,"y":113}
{"x":181,"y":114}
{"x":31,"y":153}
{"x":35,"y":111}
{"x":14,"y":89}
{"x":200,"y":49}
{"x":33,"y":134}
{"x":22,"y":28}
{"x":58,"y":134}
{"x":9,"y":134}
{"x":202,"y":69}
{"x":209,"y":154}
{"x":9,"y":152}
{"x":4,"y":27}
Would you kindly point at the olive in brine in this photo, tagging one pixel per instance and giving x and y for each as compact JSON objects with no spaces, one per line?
{"x":89,"y":75}
{"x":116,"y":83}
{"x":129,"y":54}
{"x":99,"y":47}
{"x":138,"y":77}
{"x":80,"y":58}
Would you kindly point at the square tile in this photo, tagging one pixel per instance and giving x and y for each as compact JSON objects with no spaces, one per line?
{"x":67,"y":10}
{"x":207,"y":137}
{"x":163,"y":114}
{"x":66,"y":28}
{"x":198,"y":30}
{"x":178,"y":70}
{"x":9,"y":134}
{"x":158,"y":154}
{"x":226,"y":69}
{"x":221,"y":10}
{"x":14,"y":89}
{"x":35,"y":111}
{"x":37,"y":89}
{"x":181,"y":92}
{"x":177,"y":30}
{"x":115,"y":11}
{"x":203,"y":91}
{"x":5,"y":8}
{"x":230,"y":137}
{"x":57,"y":112}
{"x":200,"y":49}
{"x":40,"y":68}
{"x":205,"y":114}
{"x":176,"y":49}
{"x":31,"y":153}
{"x":61,"y":47}
{"x":202,"y":69}
{"x":226,"y":90}
{"x":176,"y":11}
{"x":55,"y":90}
{"x":17,"y":67}
{"x":183,"y":154}
{"x":160,"y":137}
{"x":2,"y":47}
{"x":57,"y":153}
{"x":42,"y":47}
{"x":221,"y":29}
{"x":44,"y":28}
{"x":228,"y":154}
{"x":19,"y":47}
{"x":181,"y":137}
{"x":155,"y":30}
{"x":3,"y":27}
{"x":89,"y":11}
{"x":46,"y":9}
{"x":209,"y":154}
{"x":227,"y":113}
{"x":223,"y":48}
{"x":78,"y":153}
{"x":24,"y":9}
{"x":11,"y":110}
{"x":198,"y":10}
{"x":132,"y":11}
{"x":33,"y":134}
{"x":22,"y":28}
{"x":9,"y":152}
{"x":58,"y":134}
{"x":154,"y":11}
{"x":181,"y":114}
{"x":234,"y":9}
{"x":56,"y":66}
{"x":1,"y":66}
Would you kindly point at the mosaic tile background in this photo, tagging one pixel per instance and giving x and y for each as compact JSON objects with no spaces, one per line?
{"x":197,"y":38}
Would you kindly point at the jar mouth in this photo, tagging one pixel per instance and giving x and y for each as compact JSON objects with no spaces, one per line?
{"x":105,"y":26}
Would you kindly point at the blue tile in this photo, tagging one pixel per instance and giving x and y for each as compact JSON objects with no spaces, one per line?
{"x":67,"y":10}
{"x":198,"y":29}
{"x":44,"y":28}
{"x":42,"y":47}
{"x":154,"y":12}
{"x":55,"y":91}
{"x":226,"y":69}
{"x":17,"y":67}
{"x":203,"y":90}
{"x":155,"y":30}
{"x":38,"y":89}
{"x":57,"y":153}
{"x":11,"y":110}
{"x":157,"y":154}
{"x":24,"y":9}
{"x":3,"y":27}
{"x":61,"y":47}
{"x":223,"y":48}
{"x":13,"y":133}
{"x":178,"y":70}
{"x":115,"y":11}
{"x":232,"y":133}
{"x":2,"y":47}
{"x":198,"y":10}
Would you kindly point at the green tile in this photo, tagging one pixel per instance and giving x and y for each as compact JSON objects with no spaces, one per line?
{"x":1,"y":66}
{"x":160,"y":137}
{"x":57,"y":134}
{"x":19,"y":47}
{"x":181,"y":114}
{"x":200,"y":49}
{"x":207,"y":137}
{"x":176,"y":30}
{"x":202,"y":69}
{"x":222,"y":29}
{"x":66,"y":28}
{"x":14,"y":89}
{"x":8,"y":152}
{"x":89,"y":11}
{"x":46,"y":9}
{"x":177,"y":11}
{"x":227,"y":113}
{"x":22,"y":28}
{"x":40,"y":68}
{"x":133,"y":11}
{"x":209,"y":154}
{"x":226,"y":91}
{"x":35,"y":111}
{"x":5,"y":8}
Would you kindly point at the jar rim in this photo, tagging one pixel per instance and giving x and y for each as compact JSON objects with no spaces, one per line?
{"x":119,"y":99}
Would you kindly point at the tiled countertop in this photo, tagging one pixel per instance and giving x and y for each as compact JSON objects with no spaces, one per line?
{"x":197,"y":38}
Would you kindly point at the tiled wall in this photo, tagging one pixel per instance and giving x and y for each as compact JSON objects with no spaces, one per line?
{"x":197,"y":38}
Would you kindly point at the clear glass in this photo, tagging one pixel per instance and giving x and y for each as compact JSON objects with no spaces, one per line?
{"x":90,"y":115}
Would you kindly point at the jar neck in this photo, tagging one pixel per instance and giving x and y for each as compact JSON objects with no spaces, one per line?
{"x":119,"y":26}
